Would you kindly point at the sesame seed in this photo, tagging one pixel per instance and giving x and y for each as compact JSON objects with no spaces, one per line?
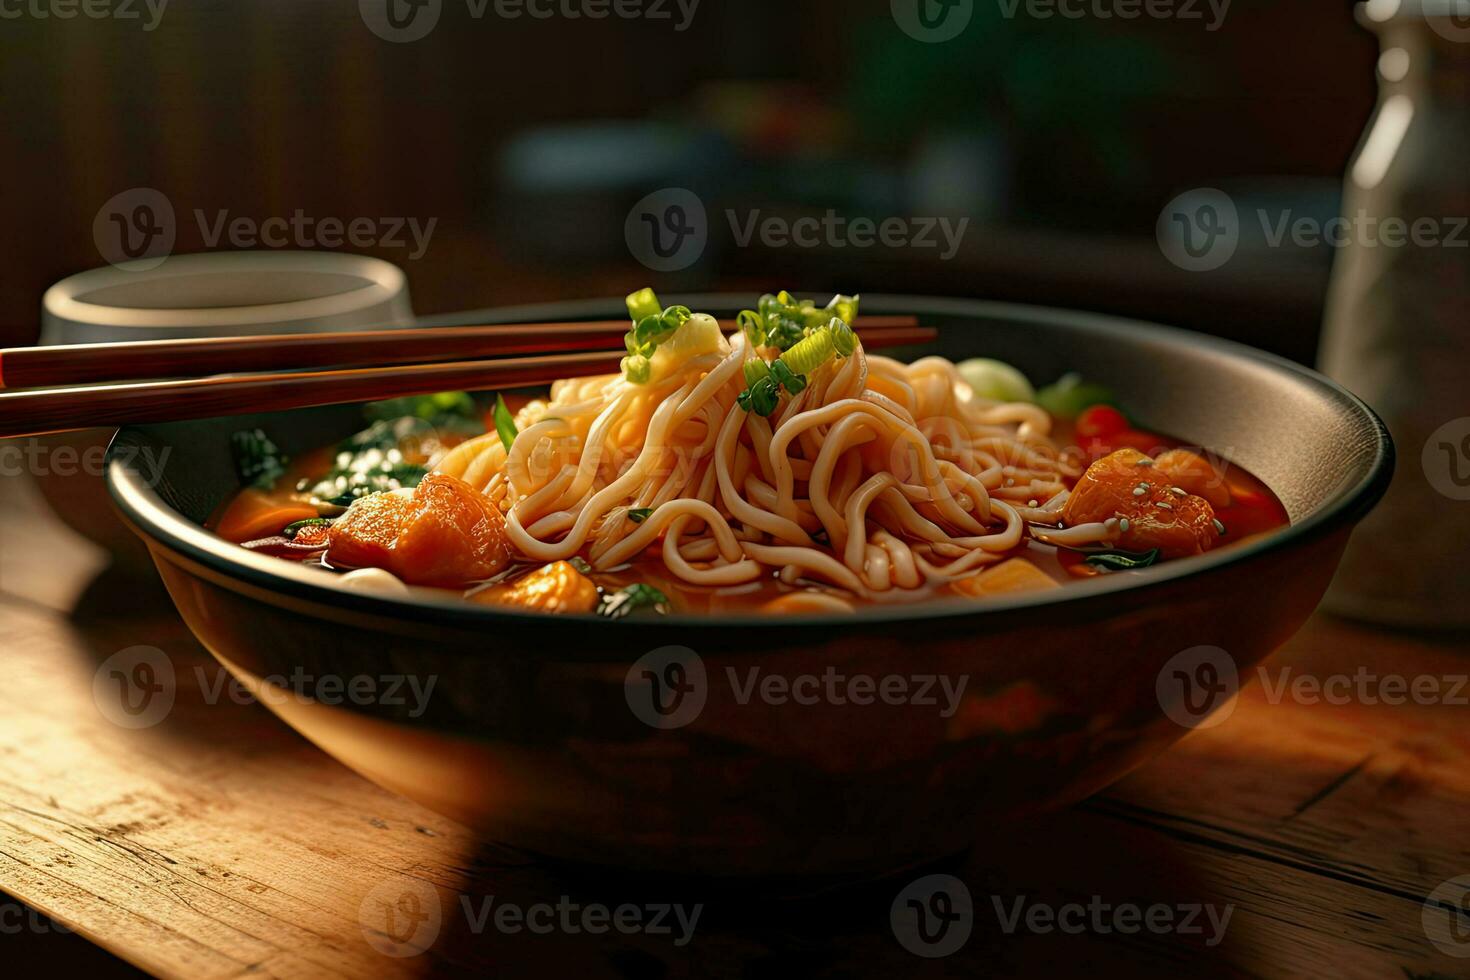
{"x":1030,"y":503}
{"x":1144,"y":462}
{"x":1140,"y":491}
{"x":1124,"y":525}
{"x":1177,"y":492}
{"x":1219,"y":527}
{"x":1165,"y":505}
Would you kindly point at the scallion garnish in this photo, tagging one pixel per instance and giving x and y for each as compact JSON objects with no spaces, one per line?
{"x":505,"y":423}
{"x":634,"y":597}
{"x":643,"y":303}
{"x":640,"y":514}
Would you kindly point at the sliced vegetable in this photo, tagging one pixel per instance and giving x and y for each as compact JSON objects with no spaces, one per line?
{"x":640,"y":514}
{"x":291,"y":530}
{"x":996,"y":381}
{"x":505,"y":423}
{"x":643,"y":303}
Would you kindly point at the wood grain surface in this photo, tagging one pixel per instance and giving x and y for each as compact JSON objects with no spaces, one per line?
{"x":218,"y":843}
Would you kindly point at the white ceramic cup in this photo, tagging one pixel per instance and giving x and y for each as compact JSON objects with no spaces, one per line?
{"x":213,"y":294}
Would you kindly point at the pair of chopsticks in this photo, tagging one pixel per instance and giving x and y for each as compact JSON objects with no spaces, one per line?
{"x":243,"y":375}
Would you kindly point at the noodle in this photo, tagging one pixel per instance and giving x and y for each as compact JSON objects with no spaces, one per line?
{"x":878,"y":478}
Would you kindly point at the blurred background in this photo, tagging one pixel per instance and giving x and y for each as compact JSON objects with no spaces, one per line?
{"x":526,"y":142}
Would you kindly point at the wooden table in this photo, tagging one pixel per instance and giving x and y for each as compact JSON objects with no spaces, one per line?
{"x":218,"y":843}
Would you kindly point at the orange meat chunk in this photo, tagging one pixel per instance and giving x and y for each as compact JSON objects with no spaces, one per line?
{"x":1194,"y":474}
{"x":553,"y":588}
{"x":446,"y":534}
{"x":1125,"y":485}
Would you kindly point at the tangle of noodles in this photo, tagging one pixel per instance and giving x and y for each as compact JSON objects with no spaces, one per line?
{"x":878,"y":478}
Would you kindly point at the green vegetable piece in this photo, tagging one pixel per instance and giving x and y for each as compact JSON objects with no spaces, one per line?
{"x":755,"y":369}
{"x":753,"y":325}
{"x":291,"y":530}
{"x":845,"y":308}
{"x":996,"y":381}
{"x":505,"y":423}
{"x":640,"y":514}
{"x":761,"y":397}
{"x":580,"y":564}
{"x":1122,"y":561}
{"x":643,"y":303}
{"x":1071,"y":396}
{"x":622,"y":603}
{"x":444,"y":407}
{"x":637,"y":369}
{"x":782,"y":375}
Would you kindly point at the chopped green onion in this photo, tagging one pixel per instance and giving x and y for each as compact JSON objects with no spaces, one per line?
{"x":640,"y":514}
{"x":643,"y":303}
{"x":808,"y":355}
{"x":632,"y":598}
{"x":291,"y":530}
{"x":753,"y":325}
{"x":782,"y":375}
{"x":1122,"y":561}
{"x":755,"y":370}
{"x":761,"y":397}
{"x":845,"y":307}
{"x":505,"y":423}
{"x":580,"y":564}
{"x":637,"y":368}
{"x":844,"y":338}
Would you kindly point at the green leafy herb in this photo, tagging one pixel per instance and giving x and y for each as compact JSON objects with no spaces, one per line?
{"x":505,"y":423}
{"x":258,"y":461}
{"x":291,"y":530}
{"x":1122,"y":561}
{"x":640,"y":514}
{"x":627,"y":601}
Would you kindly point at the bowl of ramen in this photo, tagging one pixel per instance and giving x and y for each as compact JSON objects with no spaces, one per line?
{"x":765,"y":602}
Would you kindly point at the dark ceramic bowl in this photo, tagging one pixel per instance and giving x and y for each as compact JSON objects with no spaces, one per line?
{"x":528,"y":733}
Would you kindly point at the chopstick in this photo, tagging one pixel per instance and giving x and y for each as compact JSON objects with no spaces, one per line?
{"x":33,"y":413}
{"x":34,"y":367}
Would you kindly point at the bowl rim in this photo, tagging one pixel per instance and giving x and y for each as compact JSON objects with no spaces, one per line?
{"x":160,"y":525}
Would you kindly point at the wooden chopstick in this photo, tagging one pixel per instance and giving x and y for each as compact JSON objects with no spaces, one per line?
{"x":32,"y":413}
{"x":33,"y":367}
